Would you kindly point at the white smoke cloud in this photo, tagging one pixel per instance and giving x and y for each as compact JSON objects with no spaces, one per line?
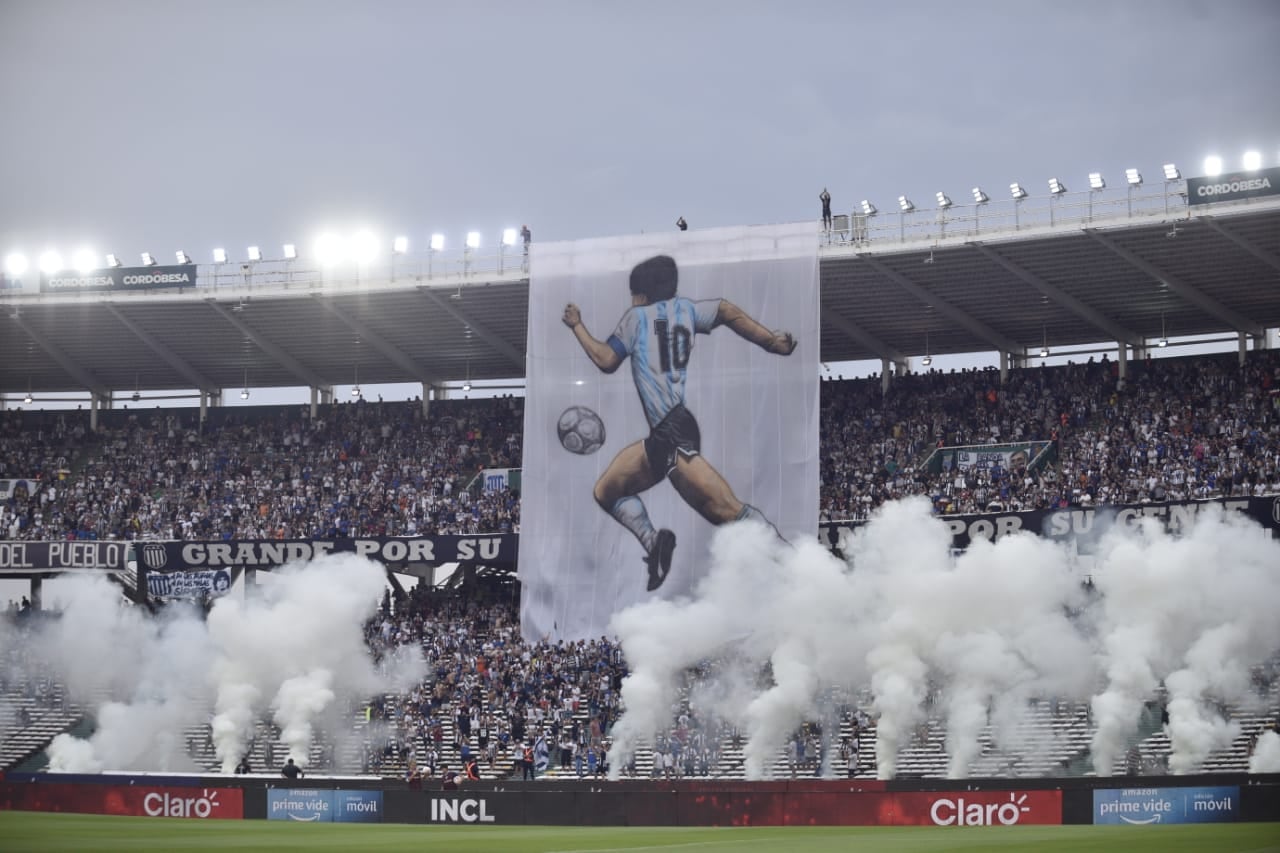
{"x":1266,"y":754}
{"x":286,"y":650}
{"x":971,"y":639}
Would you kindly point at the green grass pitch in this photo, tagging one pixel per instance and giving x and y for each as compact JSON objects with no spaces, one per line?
{"x":34,"y":831}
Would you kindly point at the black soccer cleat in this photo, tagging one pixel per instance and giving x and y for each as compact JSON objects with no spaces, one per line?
{"x":659,"y":559}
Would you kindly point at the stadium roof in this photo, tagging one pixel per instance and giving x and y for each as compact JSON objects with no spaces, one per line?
{"x":1074,"y":270}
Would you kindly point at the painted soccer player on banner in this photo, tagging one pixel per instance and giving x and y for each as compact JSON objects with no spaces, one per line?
{"x":729,"y":419}
{"x":657,"y":332}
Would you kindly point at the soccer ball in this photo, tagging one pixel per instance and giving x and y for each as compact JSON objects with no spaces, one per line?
{"x":581,"y":431}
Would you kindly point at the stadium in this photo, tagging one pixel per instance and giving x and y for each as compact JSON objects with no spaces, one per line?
{"x":234,"y":589}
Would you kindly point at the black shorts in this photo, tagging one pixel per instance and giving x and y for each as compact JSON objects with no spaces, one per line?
{"x":676,"y":433}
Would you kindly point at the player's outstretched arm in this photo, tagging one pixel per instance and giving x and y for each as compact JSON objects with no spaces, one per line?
{"x":600,"y":353}
{"x":779,"y":343}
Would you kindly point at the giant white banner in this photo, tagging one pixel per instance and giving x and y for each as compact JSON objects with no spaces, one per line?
{"x":698,"y":354}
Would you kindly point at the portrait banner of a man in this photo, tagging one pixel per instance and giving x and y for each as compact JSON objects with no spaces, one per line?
{"x":672,"y":389}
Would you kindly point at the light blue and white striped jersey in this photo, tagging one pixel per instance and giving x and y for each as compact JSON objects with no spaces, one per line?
{"x":659,"y":339}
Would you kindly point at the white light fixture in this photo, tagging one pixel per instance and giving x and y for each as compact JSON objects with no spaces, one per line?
{"x":1016,"y":190}
{"x":508,"y":236}
{"x":28,"y":399}
{"x":1096,"y":181}
{"x":473,"y":239}
{"x":50,"y":262}
{"x":979,"y":197}
{"x":400,"y":245}
{"x":84,"y":260}
{"x":1164,"y":340}
{"x":1057,"y":187}
{"x":15,"y":264}
{"x":437,"y":242}
{"x":255,"y":253}
{"x":1252,"y":161}
{"x":868,"y":208}
{"x":355,"y":391}
{"x":1044,"y":347}
{"x":330,"y":249}
{"x":290,"y":252}
{"x":905,"y":204}
{"x":183,"y":257}
{"x":1171,"y":172}
{"x":113,"y":261}
{"x":364,"y":246}
{"x":1044,"y":352}
{"x":244,"y":394}
{"x":927,"y":360}
{"x":1213,"y":165}
{"x":944,"y":201}
{"x":219,"y":256}
{"x":466,"y":386}
{"x":1133,"y":177}
{"x":148,"y":260}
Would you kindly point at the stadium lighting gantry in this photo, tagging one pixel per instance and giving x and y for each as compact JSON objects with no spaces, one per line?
{"x":1133,"y":177}
{"x":1213,"y":165}
{"x":1057,"y":187}
{"x":868,"y":209}
{"x":400,"y":245}
{"x":944,"y":201}
{"x":1171,"y":172}
{"x":437,"y":242}
{"x":1252,"y":161}
{"x":50,"y":262}
{"x":15,"y":264}
{"x":290,"y":252}
{"x":219,"y":256}
{"x":330,"y":249}
{"x":364,"y":246}
{"x":84,"y":260}
{"x":255,"y":253}
{"x":1016,"y":190}
{"x":113,"y":260}
{"x":979,"y":197}
{"x":183,"y":257}
{"x":473,"y":239}
{"x":148,"y":260}
{"x":508,"y":236}
{"x":1096,"y":181}
{"x":905,"y":204}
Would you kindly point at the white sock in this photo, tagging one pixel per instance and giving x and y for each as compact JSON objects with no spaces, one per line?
{"x":631,"y":514}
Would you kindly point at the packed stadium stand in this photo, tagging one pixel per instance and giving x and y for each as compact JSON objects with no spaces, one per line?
{"x":1180,"y":428}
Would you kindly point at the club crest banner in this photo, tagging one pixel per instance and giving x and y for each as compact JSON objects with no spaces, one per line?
{"x":709,"y":366}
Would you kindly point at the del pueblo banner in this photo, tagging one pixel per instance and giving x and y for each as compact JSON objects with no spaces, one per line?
{"x":49,"y":557}
{"x":690,"y":370}
{"x":119,"y":278}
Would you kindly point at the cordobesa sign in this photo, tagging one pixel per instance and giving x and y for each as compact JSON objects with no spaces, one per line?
{"x":1234,"y":186}
{"x":119,"y":278}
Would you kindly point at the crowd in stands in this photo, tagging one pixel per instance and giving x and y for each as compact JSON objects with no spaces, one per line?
{"x":1181,"y":428}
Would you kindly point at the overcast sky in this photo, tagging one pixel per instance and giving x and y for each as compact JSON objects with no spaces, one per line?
{"x":133,"y":126}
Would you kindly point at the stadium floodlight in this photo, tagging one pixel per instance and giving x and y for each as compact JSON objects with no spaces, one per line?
{"x":219,"y":256}
{"x":84,"y":260}
{"x":148,"y":260}
{"x":944,"y":201}
{"x":364,"y":246}
{"x":437,"y":242}
{"x":905,"y":204}
{"x":50,"y":262}
{"x":330,"y":249}
{"x":290,"y":252}
{"x":868,"y":208}
{"x":255,"y":253}
{"x":1096,"y":181}
{"x":244,"y":394}
{"x":979,"y":197}
{"x":28,"y":399}
{"x":508,"y":236}
{"x":355,"y":391}
{"x":113,"y":260}
{"x":1044,"y":352}
{"x":1057,"y":187}
{"x":1252,"y":161}
{"x":1171,"y":172}
{"x":466,"y":386}
{"x":1213,"y":165}
{"x":183,"y":257}
{"x":15,"y":264}
{"x":1133,"y":177}
{"x":927,"y":360}
{"x":400,"y":245}
{"x":1016,"y":190}
{"x":473,"y":239}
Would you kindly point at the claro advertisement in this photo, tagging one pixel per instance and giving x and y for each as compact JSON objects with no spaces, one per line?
{"x":134,"y":800}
